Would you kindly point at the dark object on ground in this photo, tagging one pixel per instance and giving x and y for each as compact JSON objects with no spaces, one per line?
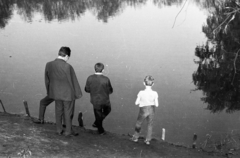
{"x":26,"y":108}
{"x":3,"y":106}
{"x":80,"y":119}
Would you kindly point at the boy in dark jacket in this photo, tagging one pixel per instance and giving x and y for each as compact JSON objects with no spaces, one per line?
{"x":99,"y":87}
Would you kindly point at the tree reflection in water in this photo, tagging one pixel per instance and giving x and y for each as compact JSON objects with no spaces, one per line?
{"x":70,"y":9}
{"x":218,"y":73}
{"x":6,"y":9}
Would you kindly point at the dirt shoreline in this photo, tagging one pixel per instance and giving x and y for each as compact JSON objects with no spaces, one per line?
{"x":20,"y":137}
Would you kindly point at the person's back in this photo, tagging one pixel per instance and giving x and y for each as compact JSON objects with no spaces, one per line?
{"x":147,"y":97}
{"x":147,"y":100}
{"x":60,"y":87}
{"x":99,"y":87}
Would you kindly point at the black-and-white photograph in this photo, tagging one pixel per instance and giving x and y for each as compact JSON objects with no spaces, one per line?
{"x":119,"y":78}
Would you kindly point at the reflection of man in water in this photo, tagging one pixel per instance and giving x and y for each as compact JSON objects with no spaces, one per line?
{"x":62,"y":86}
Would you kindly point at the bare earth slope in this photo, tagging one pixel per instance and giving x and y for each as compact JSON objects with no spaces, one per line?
{"x":20,"y":137}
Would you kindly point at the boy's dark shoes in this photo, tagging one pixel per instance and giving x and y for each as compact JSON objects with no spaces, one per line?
{"x":94,"y":125}
{"x":38,"y":121}
{"x":64,"y":126}
{"x":103,"y":133}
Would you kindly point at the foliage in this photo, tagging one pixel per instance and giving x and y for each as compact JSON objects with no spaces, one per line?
{"x":219,"y":65}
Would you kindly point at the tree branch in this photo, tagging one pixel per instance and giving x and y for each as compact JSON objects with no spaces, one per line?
{"x":234,"y":64}
{"x":222,"y":23}
{"x":179,"y":13}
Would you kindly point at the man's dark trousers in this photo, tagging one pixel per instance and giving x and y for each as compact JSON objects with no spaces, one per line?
{"x":43,"y":105}
{"x":100,"y":115}
{"x":64,"y":108}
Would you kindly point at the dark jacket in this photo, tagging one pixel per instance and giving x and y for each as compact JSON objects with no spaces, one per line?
{"x":61,"y":81}
{"x":99,"y":87}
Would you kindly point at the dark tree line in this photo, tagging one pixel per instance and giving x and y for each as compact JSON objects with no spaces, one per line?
{"x":218,"y":73}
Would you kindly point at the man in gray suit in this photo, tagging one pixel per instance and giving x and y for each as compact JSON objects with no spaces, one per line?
{"x":62,"y":86}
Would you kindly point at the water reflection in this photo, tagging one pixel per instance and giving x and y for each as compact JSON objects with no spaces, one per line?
{"x":218,"y":73}
{"x":70,"y":9}
{"x":5,"y":12}
{"x":137,"y":40}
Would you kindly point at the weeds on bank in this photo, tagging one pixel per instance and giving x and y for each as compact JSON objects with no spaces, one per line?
{"x":224,"y":142}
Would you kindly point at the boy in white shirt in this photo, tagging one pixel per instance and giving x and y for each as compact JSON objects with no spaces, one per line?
{"x":147,"y":100}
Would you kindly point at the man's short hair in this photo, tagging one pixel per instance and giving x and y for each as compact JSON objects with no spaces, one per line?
{"x":99,"y":67}
{"x":64,"y":51}
{"x":148,"y":80}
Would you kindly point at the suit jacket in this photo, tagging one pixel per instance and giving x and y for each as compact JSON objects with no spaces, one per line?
{"x":61,"y":81}
{"x":99,"y":87}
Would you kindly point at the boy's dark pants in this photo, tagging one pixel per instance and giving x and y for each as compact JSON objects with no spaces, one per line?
{"x":100,"y":115}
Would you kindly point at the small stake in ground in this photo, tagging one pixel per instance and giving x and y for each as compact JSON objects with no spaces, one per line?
{"x":26,"y":108}
{"x":194,"y":141}
{"x":3,"y":106}
{"x":163,"y":134}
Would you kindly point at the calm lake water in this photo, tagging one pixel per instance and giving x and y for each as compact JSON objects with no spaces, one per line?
{"x":133,"y":39}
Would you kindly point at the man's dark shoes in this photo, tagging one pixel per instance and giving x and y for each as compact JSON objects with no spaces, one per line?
{"x":38,"y":121}
{"x":60,"y":133}
{"x":71,"y":135}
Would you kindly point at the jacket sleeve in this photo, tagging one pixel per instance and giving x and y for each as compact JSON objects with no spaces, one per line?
{"x":47,"y":81}
{"x":110,"y":87}
{"x":87,"y":86}
{"x":76,"y":87}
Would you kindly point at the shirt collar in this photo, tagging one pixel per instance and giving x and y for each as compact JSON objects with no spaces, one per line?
{"x":98,"y":73}
{"x":60,"y":59}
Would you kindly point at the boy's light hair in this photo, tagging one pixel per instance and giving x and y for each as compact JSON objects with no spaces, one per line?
{"x":148,"y":80}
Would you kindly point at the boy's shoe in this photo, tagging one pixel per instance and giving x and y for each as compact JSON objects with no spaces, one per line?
{"x":94,"y":125}
{"x":134,"y":139}
{"x":147,"y":142}
{"x":103,"y":133}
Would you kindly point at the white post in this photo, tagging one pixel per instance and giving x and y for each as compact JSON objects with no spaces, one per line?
{"x":163,"y":134}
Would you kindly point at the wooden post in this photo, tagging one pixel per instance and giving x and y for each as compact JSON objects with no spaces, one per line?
{"x":163,"y":134}
{"x":80,"y":119}
{"x":3,"y":106}
{"x":194,"y":141}
{"x":26,"y":108}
